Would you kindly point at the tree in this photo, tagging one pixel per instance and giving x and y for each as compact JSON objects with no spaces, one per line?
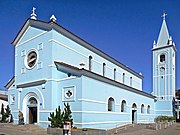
{"x":8,"y":111}
{"x":57,"y":118}
{"x":67,"y":114}
{"x":3,"y":114}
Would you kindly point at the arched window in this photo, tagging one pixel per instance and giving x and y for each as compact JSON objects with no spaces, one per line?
{"x":142,"y":108}
{"x":114,"y":74}
{"x":130,"y":81}
{"x":162,"y":58}
{"x":134,"y":106}
{"x":32,"y":102}
{"x":123,"y":77}
{"x":104,"y":69}
{"x":90,"y":63}
{"x":111,"y":104}
{"x":148,"y":109}
{"x":123,"y":106}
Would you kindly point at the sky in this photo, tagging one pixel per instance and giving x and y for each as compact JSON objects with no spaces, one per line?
{"x":123,"y":29}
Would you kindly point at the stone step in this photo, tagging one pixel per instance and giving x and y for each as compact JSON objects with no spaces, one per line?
{"x":27,"y":127}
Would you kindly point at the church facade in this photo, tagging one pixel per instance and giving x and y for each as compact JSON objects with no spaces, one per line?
{"x":53,"y":66}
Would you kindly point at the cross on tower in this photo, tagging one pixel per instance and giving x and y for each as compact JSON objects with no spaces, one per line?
{"x":33,"y":10}
{"x":33,"y":15}
{"x":164,"y":16}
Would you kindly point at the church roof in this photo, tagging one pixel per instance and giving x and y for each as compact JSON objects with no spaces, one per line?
{"x":3,"y":95}
{"x":10,"y":83}
{"x":79,"y":72}
{"x":53,"y":25}
{"x":163,"y":35}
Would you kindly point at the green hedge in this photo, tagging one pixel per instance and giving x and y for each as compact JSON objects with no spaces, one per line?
{"x":164,"y":118}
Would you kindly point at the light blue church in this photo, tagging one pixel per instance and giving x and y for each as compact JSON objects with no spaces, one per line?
{"x":53,"y":66}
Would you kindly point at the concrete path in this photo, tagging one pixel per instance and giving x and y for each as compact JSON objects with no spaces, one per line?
{"x":10,"y":129}
{"x":172,"y":130}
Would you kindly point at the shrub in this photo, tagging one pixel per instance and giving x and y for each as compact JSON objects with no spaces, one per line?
{"x":5,"y":114}
{"x":67,"y":114}
{"x":164,"y":118}
{"x":57,"y":119}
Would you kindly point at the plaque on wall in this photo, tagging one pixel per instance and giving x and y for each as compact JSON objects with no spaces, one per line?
{"x":68,"y":93}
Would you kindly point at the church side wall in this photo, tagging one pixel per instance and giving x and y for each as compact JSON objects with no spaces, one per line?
{"x":95,"y":114}
{"x":72,"y":53}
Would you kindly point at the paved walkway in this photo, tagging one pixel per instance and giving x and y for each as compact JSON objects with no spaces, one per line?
{"x":172,"y":130}
{"x":10,"y":129}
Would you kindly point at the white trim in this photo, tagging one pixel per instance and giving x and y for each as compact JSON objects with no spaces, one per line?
{"x":42,"y":97}
{"x":48,"y":111}
{"x":97,"y":61}
{"x":63,"y":79}
{"x":23,"y":35}
{"x":44,"y":121}
{"x":94,"y":101}
{"x":15,"y":111}
{"x":26,"y":57}
{"x":31,"y":38}
{"x":163,"y":110}
{"x":148,"y":114}
{"x":162,"y":75}
{"x":162,"y":114}
{"x":53,"y":40}
{"x":51,"y":65}
{"x":24,"y":106}
{"x":145,"y":121}
{"x":104,"y":122}
{"x":98,"y":112}
{"x":165,"y":96}
{"x":19,"y":96}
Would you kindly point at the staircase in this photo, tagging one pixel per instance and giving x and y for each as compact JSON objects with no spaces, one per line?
{"x":27,"y":129}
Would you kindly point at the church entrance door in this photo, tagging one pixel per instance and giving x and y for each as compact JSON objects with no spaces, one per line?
{"x":32,"y":105}
{"x":32,"y":115}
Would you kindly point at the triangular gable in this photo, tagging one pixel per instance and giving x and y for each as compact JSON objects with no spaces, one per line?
{"x":30,"y":33}
{"x":30,"y":28}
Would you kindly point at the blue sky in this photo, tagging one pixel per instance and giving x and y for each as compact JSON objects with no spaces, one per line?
{"x":124,"y":29}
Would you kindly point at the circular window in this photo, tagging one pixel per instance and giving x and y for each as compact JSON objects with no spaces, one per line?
{"x":31,"y":59}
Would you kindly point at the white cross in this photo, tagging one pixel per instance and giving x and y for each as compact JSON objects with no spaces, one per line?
{"x":164,"y":16}
{"x":33,"y":10}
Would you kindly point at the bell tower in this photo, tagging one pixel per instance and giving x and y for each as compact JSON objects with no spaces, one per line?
{"x":164,"y":53}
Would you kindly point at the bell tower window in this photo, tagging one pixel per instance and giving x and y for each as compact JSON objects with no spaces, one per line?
{"x":162,"y":58}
